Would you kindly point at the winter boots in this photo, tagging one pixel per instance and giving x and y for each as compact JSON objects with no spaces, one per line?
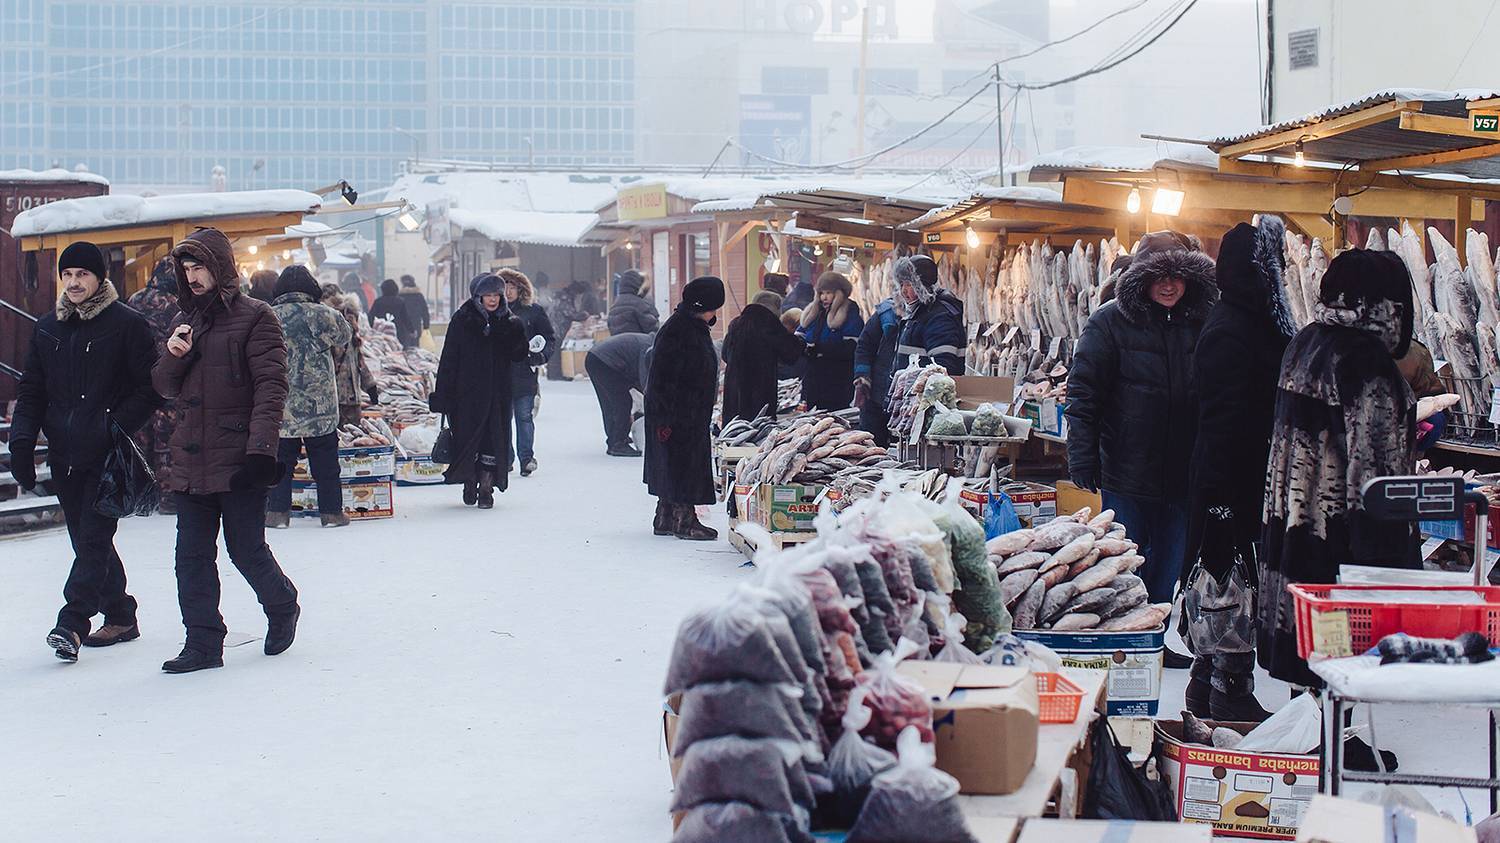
{"x":1200,"y":688}
{"x":281,"y":629}
{"x":336,"y":519}
{"x":485,"y":493}
{"x":665,"y":522}
{"x":190,"y":660}
{"x":689,"y":528}
{"x":623,"y":451}
{"x":278,"y":520}
{"x":471,"y":492}
{"x":1222,"y":687}
{"x":528,"y":468}
{"x":111,"y":634}
{"x":64,"y":643}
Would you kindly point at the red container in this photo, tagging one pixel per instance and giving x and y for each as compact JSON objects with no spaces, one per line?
{"x":1371,"y":621}
{"x":1059,"y":698}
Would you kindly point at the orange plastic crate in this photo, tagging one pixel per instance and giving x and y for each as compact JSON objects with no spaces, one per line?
{"x":1371,"y":621}
{"x":1059,"y":698}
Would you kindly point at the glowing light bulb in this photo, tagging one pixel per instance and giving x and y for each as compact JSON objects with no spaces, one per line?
{"x":1299,"y":159}
{"x":1133,"y":201}
{"x":254,"y":249}
{"x":971,"y":237}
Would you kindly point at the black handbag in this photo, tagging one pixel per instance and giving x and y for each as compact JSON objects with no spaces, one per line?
{"x":127,"y":485}
{"x":442,"y":449}
{"x":1218,"y":613}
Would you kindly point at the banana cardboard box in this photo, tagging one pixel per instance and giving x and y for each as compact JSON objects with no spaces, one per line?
{"x":786,"y":507}
{"x":1258,"y":795}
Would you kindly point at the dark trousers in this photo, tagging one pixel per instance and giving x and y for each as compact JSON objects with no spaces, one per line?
{"x":874,"y":420}
{"x":243,"y":515}
{"x":613,"y":391}
{"x":96,"y":582}
{"x":322,"y":462}
{"x":1160,"y":528}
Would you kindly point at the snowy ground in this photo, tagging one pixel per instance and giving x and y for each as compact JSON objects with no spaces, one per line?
{"x":457,"y":673}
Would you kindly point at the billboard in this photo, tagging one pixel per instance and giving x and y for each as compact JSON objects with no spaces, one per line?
{"x":777,"y":126}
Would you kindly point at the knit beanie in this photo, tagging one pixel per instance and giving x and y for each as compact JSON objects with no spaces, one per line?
{"x":82,"y":254}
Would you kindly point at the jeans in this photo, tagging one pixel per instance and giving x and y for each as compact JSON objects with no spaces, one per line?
{"x":1160,"y":528}
{"x":243,"y":515}
{"x":524,"y":407}
{"x":322,"y":461}
{"x":96,"y":582}
{"x":613,"y":391}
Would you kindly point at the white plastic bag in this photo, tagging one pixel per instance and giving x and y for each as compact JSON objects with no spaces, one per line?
{"x":912,"y":801}
{"x":854,"y":762}
{"x":1296,"y":728}
{"x":953,"y":643}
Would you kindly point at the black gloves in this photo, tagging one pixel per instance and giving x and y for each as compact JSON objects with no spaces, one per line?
{"x":260,"y":471}
{"x":1085,"y":478}
{"x":23,"y":466}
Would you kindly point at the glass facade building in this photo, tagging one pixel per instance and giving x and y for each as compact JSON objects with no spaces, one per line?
{"x":159,"y":92}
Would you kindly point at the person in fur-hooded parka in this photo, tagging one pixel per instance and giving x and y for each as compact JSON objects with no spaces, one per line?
{"x":1131,"y":411}
{"x":933,"y":330}
{"x":1344,"y":415}
{"x":1234,"y":375}
{"x":830,"y":326}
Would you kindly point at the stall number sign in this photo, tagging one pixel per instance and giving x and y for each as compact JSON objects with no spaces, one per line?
{"x":935,"y":237}
{"x":1489,"y":124}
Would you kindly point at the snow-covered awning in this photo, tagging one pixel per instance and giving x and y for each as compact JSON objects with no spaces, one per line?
{"x":1423,"y":95}
{"x":1019,"y":194}
{"x":1124,"y":159}
{"x":834,"y":194}
{"x":534,"y":227}
{"x":94,"y":213}
{"x":56,"y":174}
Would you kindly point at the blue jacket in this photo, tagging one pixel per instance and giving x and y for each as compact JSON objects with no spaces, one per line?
{"x":935,"y":334}
{"x":875,"y":353}
{"x":828,"y":383}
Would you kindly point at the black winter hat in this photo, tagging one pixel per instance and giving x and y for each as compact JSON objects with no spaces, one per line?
{"x":1366,"y":277}
{"x":629,"y":281}
{"x":485,"y":284}
{"x":389,"y":287}
{"x":82,"y":254}
{"x":703,"y":294}
{"x":297,"y":279}
{"x":926,"y":268}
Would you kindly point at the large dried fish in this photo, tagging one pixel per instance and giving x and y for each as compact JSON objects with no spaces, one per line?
{"x":1481,"y":275}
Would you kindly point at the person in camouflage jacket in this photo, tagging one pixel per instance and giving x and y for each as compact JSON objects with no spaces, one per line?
{"x":157,"y":301}
{"x":311,"y":416}
{"x":351,"y":370}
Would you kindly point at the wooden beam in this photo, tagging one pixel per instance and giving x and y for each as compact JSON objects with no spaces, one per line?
{"x":1491,"y":104}
{"x":1433,"y":159}
{"x":887,"y":215}
{"x":1313,"y":226}
{"x":1377,"y":113}
{"x":878,"y":233}
{"x":1438,"y":125}
{"x":744,"y":231}
{"x":1461,"y":224}
{"x":1352,"y":179}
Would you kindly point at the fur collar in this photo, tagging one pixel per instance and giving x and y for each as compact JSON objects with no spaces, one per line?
{"x":1270,"y":237}
{"x":1133,"y":287}
{"x":1382,"y":319}
{"x":835,"y":316}
{"x":89,"y":307}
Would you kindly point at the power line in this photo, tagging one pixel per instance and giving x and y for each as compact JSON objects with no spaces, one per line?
{"x":1478,"y":32}
{"x":1109,"y":65}
{"x":1087,"y":29}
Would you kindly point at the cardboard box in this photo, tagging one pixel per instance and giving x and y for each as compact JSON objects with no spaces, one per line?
{"x":362,"y":501}
{"x":1046,"y":416}
{"x":986,"y":721}
{"x":669,"y":732}
{"x":572,"y":363}
{"x":1333,"y":820}
{"x":1133,"y":659}
{"x":974,"y":390}
{"x":1070,"y":499}
{"x":1110,"y":831}
{"x":785,"y":507}
{"x":419,"y":471}
{"x":1242,"y":794}
{"x":1034,"y":502}
{"x":371,"y":463}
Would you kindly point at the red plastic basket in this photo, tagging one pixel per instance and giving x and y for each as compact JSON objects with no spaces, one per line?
{"x":1059,"y":698}
{"x":1371,"y":621}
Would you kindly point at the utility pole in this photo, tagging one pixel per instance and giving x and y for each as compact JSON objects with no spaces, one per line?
{"x":864,"y":54}
{"x":1000,"y":121}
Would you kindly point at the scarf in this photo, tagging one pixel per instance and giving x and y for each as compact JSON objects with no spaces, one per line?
{"x":89,"y":307}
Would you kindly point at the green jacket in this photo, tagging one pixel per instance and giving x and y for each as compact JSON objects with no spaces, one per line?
{"x":313,"y":330}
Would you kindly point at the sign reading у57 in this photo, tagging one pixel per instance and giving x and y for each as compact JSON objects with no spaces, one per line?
{"x":642,"y":202}
{"x":1488,"y":123}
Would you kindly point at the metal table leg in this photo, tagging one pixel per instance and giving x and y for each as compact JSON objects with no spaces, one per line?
{"x":1333,"y":744}
{"x":1494,"y":767}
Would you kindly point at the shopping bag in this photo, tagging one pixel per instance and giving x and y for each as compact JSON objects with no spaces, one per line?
{"x":127,"y":486}
{"x":1000,"y":516}
{"x":1218,"y":613}
{"x":426,"y":341}
{"x":442,"y":449}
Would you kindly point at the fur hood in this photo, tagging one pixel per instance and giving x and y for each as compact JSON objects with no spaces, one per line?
{"x":525,"y":292}
{"x":1249,"y":270}
{"x":1133,"y":286}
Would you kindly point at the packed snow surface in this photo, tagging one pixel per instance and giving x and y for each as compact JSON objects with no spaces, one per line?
{"x":458,"y":674}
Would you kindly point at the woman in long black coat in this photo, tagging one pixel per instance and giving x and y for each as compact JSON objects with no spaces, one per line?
{"x":831,"y":326}
{"x":680,"y":392}
{"x":1235,"y":367}
{"x":755,"y":346}
{"x":474,"y":389}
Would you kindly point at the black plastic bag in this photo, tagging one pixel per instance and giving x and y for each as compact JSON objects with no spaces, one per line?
{"x":127,"y":485}
{"x":1117,"y":790}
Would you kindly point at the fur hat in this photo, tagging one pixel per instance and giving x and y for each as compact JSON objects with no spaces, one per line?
{"x":920,"y":273}
{"x":1166,"y":254}
{"x":1249,"y":268}
{"x":297,"y":279}
{"x":1371,"y":284}
{"x":834,"y":281}
{"x":776,"y":282}
{"x":164,"y":276}
{"x":704,"y":294}
{"x":769,"y":300}
{"x":485,"y":284}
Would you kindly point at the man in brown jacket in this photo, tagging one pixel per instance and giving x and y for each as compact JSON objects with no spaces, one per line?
{"x":225,"y":364}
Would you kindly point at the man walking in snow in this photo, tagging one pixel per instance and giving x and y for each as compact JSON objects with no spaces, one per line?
{"x":225,"y":364}
{"x":88,"y":372}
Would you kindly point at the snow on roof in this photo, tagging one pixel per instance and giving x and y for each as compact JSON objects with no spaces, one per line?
{"x":1018,"y":193}
{"x":308,"y":228}
{"x":536,"y":227}
{"x":568,"y":193}
{"x":54,"y":174}
{"x":1359,"y":104}
{"x":1137,"y":159}
{"x":91,"y":213}
{"x":744,"y":194}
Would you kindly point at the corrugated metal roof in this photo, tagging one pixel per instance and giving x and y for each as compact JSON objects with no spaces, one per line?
{"x":1008,"y":209}
{"x":1422,"y":95}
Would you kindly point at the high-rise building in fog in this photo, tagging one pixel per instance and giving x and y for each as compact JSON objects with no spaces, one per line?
{"x":159,"y":92}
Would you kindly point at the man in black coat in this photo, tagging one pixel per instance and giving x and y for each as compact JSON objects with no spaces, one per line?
{"x":1235,"y":368}
{"x":874,"y":364}
{"x":474,"y":389}
{"x":416,"y":304}
{"x":616,"y":366}
{"x":1131,"y":410}
{"x":541,"y":343}
{"x":680,"y":393}
{"x":392,"y":305}
{"x":632,"y":313}
{"x":88,"y":368}
{"x":755,"y":344}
